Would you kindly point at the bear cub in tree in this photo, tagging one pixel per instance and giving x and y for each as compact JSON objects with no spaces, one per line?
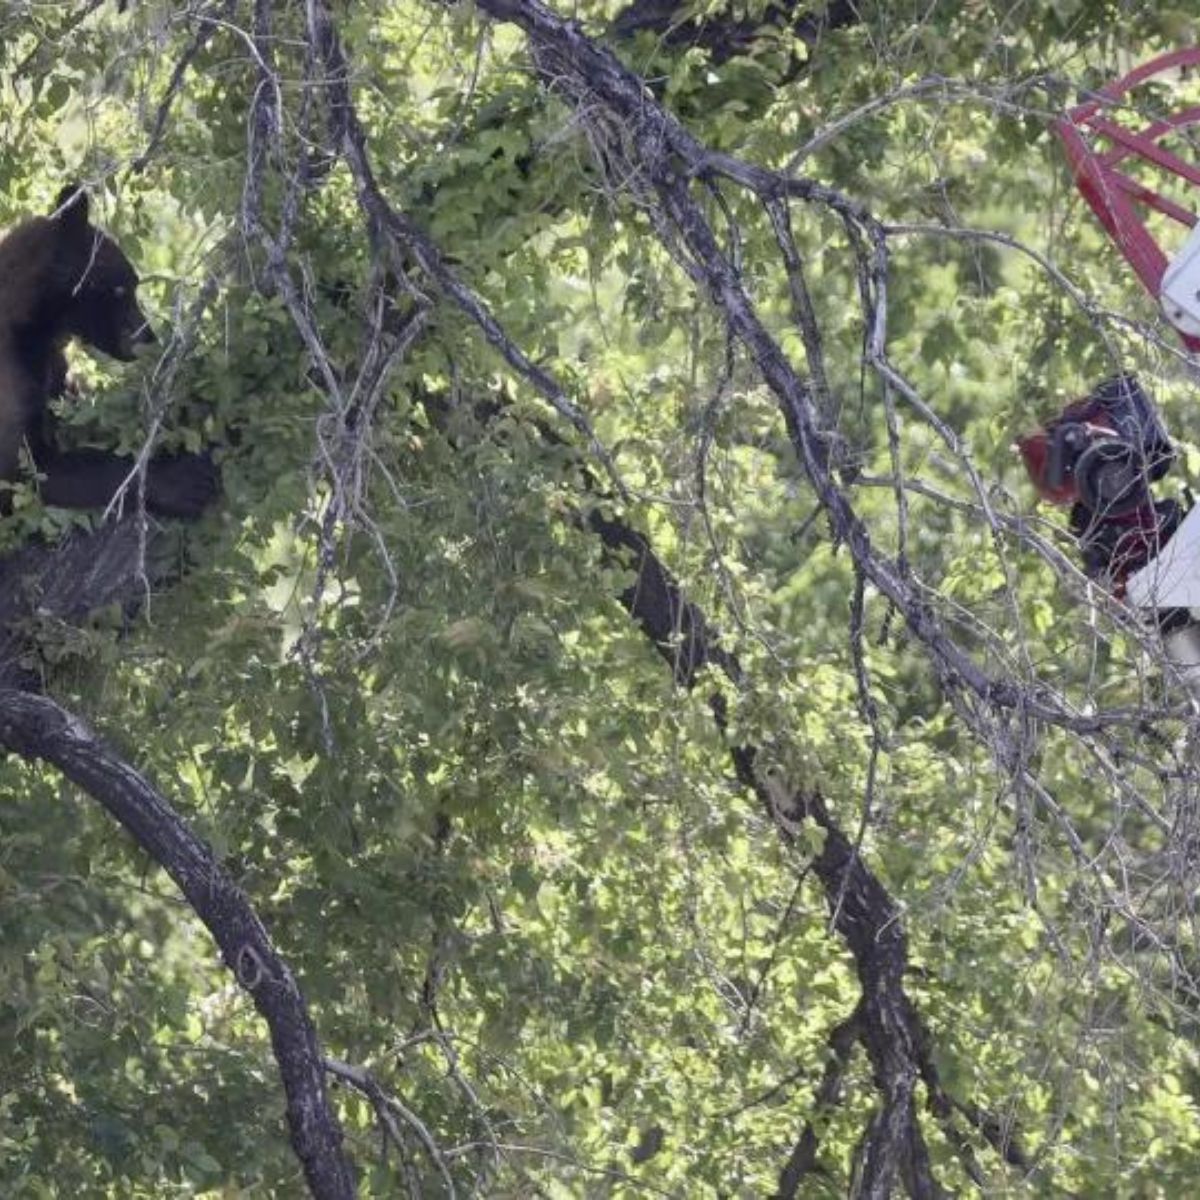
{"x":62,"y":278}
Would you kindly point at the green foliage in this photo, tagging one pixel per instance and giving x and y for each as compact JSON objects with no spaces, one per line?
{"x":507,"y":860}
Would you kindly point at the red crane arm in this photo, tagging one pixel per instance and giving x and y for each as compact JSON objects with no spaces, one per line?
{"x":1118,"y":200}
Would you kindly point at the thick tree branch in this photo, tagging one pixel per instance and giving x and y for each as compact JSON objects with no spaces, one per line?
{"x":35,"y":727}
{"x":803,"y":1160}
{"x":116,"y":563}
{"x":726,"y":36}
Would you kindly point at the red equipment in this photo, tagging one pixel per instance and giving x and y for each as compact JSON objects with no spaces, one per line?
{"x":1115,"y":196}
{"x":1101,"y":453}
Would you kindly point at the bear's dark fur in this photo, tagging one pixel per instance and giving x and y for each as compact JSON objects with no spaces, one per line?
{"x":62,"y":278}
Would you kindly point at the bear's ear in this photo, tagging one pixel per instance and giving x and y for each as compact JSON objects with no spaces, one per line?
{"x":71,"y":207}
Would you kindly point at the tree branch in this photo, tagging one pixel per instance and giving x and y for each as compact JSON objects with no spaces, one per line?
{"x":727,"y":36}
{"x":803,"y":1159}
{"x":115,"y":563}
{"x":36,"y":727}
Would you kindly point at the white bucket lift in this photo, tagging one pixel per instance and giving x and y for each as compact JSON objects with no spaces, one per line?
{"x":1171,"y":580}
{"x":1180,"y":290}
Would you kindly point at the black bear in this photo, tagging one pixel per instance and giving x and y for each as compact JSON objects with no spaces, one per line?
{"x":62,"y":278}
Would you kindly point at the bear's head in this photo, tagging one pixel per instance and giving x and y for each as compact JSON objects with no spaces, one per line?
{"x":95,"y":283}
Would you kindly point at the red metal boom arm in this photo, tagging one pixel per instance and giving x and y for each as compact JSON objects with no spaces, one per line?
{"x":1114,"y":196}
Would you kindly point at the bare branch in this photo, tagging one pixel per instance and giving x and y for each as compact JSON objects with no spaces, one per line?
{"x":388,"y":1109}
